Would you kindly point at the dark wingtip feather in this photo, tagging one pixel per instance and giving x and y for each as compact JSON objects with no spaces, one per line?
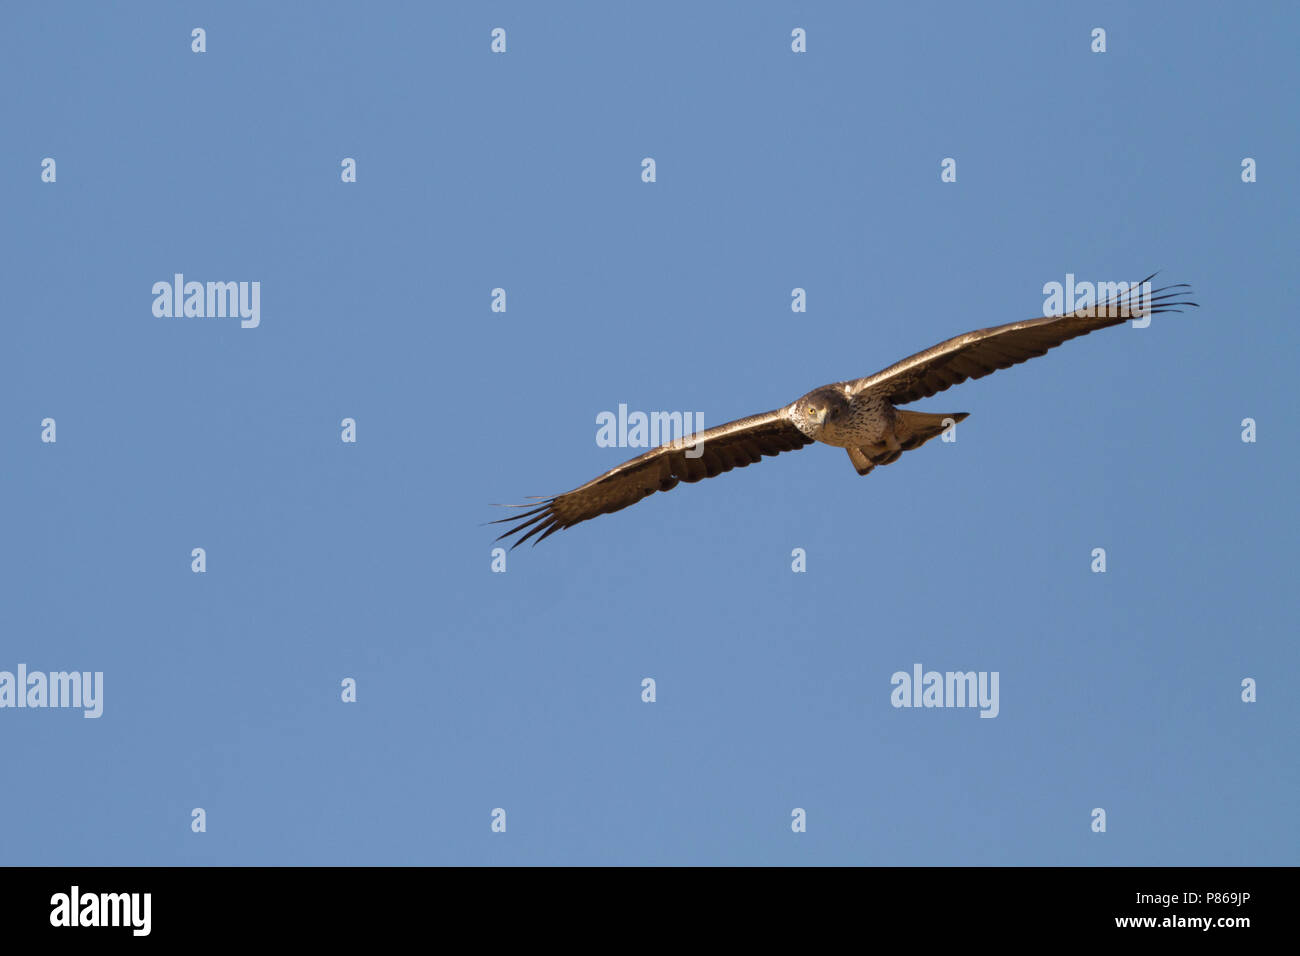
{"x":1159,"y":301}
{"x":541,"y":516}
{"x":556,"y":526}
{"x":484,"y":524}
{"x":544,"y":524}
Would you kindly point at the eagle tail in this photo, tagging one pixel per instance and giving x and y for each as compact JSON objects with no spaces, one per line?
{"x":912,"y":429}
{"x":860,"y":460}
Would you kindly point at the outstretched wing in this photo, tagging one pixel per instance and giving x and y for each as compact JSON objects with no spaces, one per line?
{"x":984,"y":351}
{"x":729,"y":446}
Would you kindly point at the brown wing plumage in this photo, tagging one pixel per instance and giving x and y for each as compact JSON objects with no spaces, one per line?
{"x":729,"y":446}
{"x":984,"y":351}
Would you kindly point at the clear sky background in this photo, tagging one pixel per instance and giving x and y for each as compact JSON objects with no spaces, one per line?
{"x":522,"y":690}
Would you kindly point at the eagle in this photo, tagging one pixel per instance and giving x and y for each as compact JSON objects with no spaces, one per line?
{"x":858,"y":415}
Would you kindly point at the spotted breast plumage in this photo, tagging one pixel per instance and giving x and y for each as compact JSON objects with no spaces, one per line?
{"x":858,"y":415}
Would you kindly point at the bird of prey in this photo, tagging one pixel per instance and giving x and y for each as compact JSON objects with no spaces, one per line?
{"x":857,"y":415}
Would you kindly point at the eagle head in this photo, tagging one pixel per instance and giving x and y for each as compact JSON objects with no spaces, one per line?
{"x":820,"y":409}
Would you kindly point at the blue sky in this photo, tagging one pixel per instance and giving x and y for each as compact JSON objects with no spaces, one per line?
{"x":522,"y":690}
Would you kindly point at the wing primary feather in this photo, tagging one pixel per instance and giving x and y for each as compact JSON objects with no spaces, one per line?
{"x":521,"y":526}
{"x":549,"y":531}
{"x":518,"y":517}
{"x":527,"y":536}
